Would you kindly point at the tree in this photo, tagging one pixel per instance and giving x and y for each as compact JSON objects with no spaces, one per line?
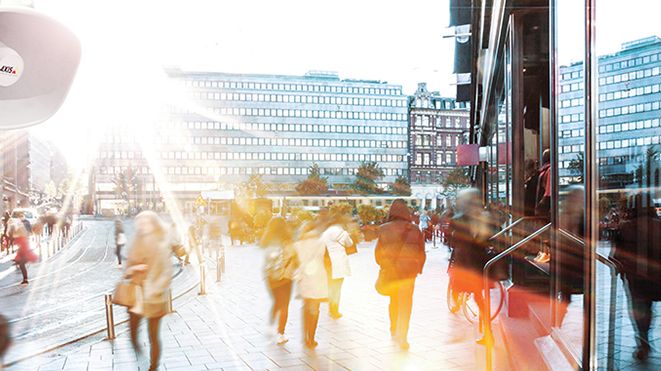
{"x":125,"y":184}
{"x":576,"y":168}
{"x":401,"y":187}
{"x":315,"y":184}
{"x":454,"y":181}
{"x":341,"y":208}
{"x":366,"y":178}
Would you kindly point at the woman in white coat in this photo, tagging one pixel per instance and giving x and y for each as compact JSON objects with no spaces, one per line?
{"x":336,"y":239}
{"x":311,"y":278}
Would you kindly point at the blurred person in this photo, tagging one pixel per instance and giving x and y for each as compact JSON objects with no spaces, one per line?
{"x":176,"y":246}
{"x":280,"y":264}
{"x":24,"y":255}
{"x":120,"y":240}
{"x":543,"y":193}
{"x":312,"y":280}
{"x":5,"y":243}
{"x":194,"y":241}
{"x":148,"y":265}
{"x":5,"y":338}
{"x":570,"y":255}
{"x":66,"y":226}
{"x":637,"y":254}
{"x":470,"y":233}
{"x":337,"y":240}
{"x":400,"y":254}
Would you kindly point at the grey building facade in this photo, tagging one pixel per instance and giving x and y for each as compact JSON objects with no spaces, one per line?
{"x":629,"y":113}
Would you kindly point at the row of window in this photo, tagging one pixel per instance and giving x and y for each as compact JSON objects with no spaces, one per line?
{"x":628,"y":76}
{"x":628,"y":93}
{"x":292,"y":87}
{"x":268,"y":156}
{"x":363,"y":129}
{"x":442,"y":158}
{"x":626,"y":126}
{"x":629,"y":63}
{"x":311,"y":99}
{"x":630,"y":109}
{"x":614,"y":144}
{"x":426,"y":140}
{"x":197,"y":170}
{"x":572,"y":133}
{"x":448,"y":122}
{"x":273,"y":112}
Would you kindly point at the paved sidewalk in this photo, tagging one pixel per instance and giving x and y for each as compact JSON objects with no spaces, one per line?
{"x":227,"y":329}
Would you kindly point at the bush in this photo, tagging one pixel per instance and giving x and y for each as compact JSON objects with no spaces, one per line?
{"x":341,"y":208}
{"x":368,"y":214}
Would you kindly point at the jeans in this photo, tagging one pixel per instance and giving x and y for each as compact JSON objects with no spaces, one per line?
{"x":24,"y":271}
{"x":310,"y":319}
{"x":399,"y":309}
{"x":281,"y":292}
{"x":641,"y":312}
{"x":153,"y":325}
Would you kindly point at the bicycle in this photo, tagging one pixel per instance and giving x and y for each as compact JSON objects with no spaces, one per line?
{"x":465,"y":302}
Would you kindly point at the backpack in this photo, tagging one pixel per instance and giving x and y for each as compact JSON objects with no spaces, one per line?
{"x":411,"y":256}
{"x":276,"y":265}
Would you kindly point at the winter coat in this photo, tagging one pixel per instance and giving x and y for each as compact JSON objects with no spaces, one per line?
{"x":336,"y":240}
{"x":153,"y":251}
{"x":24,"y":253}
{"x":470,"y":243}
{"x":311,"y":278}
{"x":393,"y":235}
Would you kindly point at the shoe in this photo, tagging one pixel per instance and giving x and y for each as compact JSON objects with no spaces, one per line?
{"x":404,"y":345}
{"x":538,"y":256}
{"x":545,"y":259}
{"x":335,"y":315}
{"x":642,"y":353}
{"x":487,"y":339}
{"x":281,"y":339}
{"x":311,"y":344}
{"x":24,"y":283}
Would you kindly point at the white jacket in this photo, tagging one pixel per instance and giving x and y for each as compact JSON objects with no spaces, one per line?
{"x":336,"y":240}
{"x":312,"y":278}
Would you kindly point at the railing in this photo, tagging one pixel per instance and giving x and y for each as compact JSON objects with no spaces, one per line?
{"x":514,"y":224}
{"x":488,"y":337}
{"x":613,"y":295}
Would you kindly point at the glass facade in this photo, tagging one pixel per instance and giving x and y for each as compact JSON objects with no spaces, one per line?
{"x":571,"y":148}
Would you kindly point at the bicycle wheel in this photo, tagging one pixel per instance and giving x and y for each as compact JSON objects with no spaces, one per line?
{"x":471,"y":310}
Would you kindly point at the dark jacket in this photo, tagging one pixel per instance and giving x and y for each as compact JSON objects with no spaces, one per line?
{"x":469,"y":247}
{"x":400,"y":246}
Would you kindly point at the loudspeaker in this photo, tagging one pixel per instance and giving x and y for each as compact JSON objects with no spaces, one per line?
{"x":38,"y":61}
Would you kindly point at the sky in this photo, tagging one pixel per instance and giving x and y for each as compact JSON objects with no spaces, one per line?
{"x":126,"y":44}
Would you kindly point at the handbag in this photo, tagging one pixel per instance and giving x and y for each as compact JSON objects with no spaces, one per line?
{"x":125,"y":293}
{"x":386,"y":282}
{"x":179,"y":251}
{"x":353,"y":249}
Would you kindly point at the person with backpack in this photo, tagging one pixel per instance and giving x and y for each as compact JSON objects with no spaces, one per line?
{"x":280,"y":264}
{"x":400,"y":254}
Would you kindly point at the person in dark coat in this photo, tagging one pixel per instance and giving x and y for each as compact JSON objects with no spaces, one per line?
{"x":638,"y":254}
{"x":470,"y":232}
{"x":400,"y":250}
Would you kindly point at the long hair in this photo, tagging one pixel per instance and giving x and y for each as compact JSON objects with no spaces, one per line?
{"x":155,"y":220}
{"x":277,"y":232}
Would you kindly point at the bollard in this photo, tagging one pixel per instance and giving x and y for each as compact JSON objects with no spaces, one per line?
{"x":203,"y":279}
{"x":218,"y":269}
{"x":110,"y":321}
{"x":169,"y":309}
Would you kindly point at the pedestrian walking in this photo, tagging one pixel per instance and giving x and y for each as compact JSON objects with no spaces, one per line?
{"x":400,"y":254}
{"x":24,"y":255}
{"x":312,"y":281}
{"x":120,"y":240}
{"x":337,"y":240}
{"x":470,"y":232}
{"x":148,"y":266}
{"x":279,"y":268}
{"x":194,"y":241}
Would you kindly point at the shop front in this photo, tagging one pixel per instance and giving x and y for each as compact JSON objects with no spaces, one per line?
{"x":565,"y":109}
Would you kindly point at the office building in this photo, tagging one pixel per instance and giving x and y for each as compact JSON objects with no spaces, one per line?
{"x":235,"y":125}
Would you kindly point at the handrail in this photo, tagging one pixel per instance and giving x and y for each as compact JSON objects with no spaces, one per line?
{"x":487,"y":297}
{"x":611,"y":263}
{"x":509,"y":227}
